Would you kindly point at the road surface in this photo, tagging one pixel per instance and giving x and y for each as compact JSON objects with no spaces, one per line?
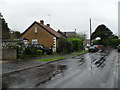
{"x":91,"y":70}
{"x":104,"y":76}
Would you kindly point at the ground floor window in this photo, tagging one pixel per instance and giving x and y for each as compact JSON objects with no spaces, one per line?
{"x":34,"y":41}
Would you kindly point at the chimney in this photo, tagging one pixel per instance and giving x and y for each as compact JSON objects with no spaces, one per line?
{"x":42,"y":22}
{"x":48,"y":25}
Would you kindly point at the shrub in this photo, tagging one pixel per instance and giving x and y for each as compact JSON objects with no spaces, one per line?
{"x":115,"y":42}
{"x":64,"y":46}
{"x":96,"y":42}
{"x":39,"y":52}
{"x":111,"y":42}
{"x":106,"y":42}
{"x":77,"y":43}
{"x":30,"y":51}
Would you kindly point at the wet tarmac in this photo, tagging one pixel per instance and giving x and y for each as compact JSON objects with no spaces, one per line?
{"x":91,"y":70}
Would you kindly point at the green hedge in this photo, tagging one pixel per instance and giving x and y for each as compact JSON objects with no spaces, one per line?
{"x":30,"y":52}
{"x":77,"y":44}
{"x":115,"y":43}
{"x":108,"y":42}
{"x":69,"y":45}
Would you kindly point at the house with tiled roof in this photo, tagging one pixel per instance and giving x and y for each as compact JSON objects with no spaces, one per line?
{"x":70,"y":33}
{"x":38,"y":33}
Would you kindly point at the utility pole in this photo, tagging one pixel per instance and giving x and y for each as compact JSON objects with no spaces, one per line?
{"x":90,"y":30}
{"x":90,"y":42}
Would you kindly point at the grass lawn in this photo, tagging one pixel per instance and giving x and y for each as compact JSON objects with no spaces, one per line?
{"x":4,"y":61}
{"x":50,"y":59}
{"x":79,"y":53}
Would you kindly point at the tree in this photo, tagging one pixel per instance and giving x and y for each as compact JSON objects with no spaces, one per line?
{"x":5,"y":30}
{"x":102,"y":31}
{"x":80,"y":36}
{"x":15,"y":34}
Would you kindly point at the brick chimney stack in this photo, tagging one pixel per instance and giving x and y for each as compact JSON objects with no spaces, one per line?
{"x":42,"y":22}
{"x":48,"y":25}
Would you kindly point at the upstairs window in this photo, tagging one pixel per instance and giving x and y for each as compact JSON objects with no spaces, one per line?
{"x":35,"y":29}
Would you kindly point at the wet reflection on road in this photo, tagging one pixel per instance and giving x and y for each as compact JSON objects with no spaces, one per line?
{"x":79,"y":64}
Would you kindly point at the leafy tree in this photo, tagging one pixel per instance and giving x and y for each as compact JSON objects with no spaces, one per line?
{"x":102,"y":31}
{"x":5,"y":30}
{"x":115,"y":42}
{"x":15,"y":34}
{"x":80,"y":36}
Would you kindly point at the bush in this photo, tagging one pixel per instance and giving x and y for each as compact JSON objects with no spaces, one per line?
{"x":39,"y":52}
{"x":69,"y":45}
{"x":64,"y":46}
{"x":32,"y":51}
{"x":106,"y":42}
{"x":77,"y":44}
{"x":96,"y":42}
{"x":29,"y":53}
{"x":115,"y":42}
{"x":109,"y":42}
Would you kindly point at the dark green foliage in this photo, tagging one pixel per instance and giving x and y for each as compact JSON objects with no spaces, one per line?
{"x":64,"y":46}
{"x":32,"y":51}
{"x":29,"y":53}
{"x":96,"y":42}
{"x":80,"y":36}
{"x":107,"y":37}
{"x":69,"y":45}
{"x":15,"y":34}
{"x":108,"y":42}
{"x":102,"y":31}
{"x":5,"y":30}
{"x":77,"y":44}
{"x":115,"y":42}
{"x":39,"y":52}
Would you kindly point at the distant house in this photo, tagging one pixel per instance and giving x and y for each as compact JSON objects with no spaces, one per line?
{"x":38,"y":33}
{"x":62,"y":34}
{"x":70,"y":34}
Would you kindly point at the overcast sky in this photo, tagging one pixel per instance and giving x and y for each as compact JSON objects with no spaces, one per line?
{"x":65,"y":15}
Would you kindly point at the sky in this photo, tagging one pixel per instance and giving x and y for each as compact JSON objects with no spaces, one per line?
{"x":66,"y":15}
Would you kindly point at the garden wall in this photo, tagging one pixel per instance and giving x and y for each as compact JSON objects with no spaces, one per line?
{"x":9,"y":54}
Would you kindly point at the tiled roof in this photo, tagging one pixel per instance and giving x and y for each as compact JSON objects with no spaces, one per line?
{"x":47,"y":28}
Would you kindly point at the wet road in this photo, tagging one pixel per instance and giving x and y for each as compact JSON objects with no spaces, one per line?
{"x":88,"y":76}
{"x":91,"y":70}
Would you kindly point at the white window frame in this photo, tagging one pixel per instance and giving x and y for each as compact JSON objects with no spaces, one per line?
{"x":35,"y":29}
{"x":34,"y":41}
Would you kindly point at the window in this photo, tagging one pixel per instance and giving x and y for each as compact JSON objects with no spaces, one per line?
{"x":34,"y":41}
{"x":35,"y":29}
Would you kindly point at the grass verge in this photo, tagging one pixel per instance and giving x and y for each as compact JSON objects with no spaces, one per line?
{"x":79,"y":53}
{"x":50,"y":59}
